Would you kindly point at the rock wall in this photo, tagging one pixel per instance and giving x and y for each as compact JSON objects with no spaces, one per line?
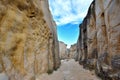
{"x":63,"y":50}
{"x":28,"y":39}
{"x":98,"y":46}
{"x":67,"y":53}
{"x":72,"y":52}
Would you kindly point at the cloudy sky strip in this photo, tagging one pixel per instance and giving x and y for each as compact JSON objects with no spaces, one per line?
{"x":69,"y":11}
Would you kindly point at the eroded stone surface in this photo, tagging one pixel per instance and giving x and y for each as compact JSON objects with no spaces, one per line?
{"x":63,"y":50}
{"x":72,"y":52}
{"x":28,"y":39}
{"x":98,"y":45}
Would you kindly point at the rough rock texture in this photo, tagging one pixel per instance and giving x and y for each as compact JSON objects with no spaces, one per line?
{"x":28,"y":39}
{"x":98,"y":46}
{"x":63,"y":50}
{"x":72,"y":52}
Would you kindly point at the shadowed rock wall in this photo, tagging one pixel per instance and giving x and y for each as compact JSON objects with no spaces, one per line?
{"x":98,"y":46}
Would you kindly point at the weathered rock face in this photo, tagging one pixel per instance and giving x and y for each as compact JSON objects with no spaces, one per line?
{"x":63,"y":50}
{"x":28,"y":39}
{"x":98,"y":45}
{"x":72,"y":52}
{"x":67,"y":53}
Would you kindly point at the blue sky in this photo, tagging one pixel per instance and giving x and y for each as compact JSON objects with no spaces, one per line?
{"x":68,"y":14}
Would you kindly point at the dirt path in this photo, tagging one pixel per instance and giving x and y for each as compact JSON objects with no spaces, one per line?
{"x":69,"y":70}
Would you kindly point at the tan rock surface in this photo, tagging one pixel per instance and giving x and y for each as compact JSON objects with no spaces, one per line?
{"x":63,"y":50}
{"x":72,"y":51}
{"x":28,"y":39}
{"x":98,"y":45}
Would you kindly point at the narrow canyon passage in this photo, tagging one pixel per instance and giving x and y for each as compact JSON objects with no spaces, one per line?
{"x":69,"y":70}
{"x":31,"y":49}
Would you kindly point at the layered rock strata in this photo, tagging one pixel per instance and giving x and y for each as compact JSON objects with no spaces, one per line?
{"x":98,"y":46}
{"x":28,"y":39}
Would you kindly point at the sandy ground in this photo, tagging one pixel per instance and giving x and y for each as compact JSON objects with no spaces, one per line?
{"x":69,"y":70}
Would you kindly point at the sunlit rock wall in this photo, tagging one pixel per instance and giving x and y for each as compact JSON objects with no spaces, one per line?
{"x":98,"y":46}
{"x":63,"y":50}
{"x":72,"y":52}
{"x":28,"y":39}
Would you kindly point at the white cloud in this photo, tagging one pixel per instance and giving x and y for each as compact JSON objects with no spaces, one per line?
{"x":68,"y":46}
{"x":69,"y":11}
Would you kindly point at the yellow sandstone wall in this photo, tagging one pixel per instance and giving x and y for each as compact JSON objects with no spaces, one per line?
{"x":28,"y":39}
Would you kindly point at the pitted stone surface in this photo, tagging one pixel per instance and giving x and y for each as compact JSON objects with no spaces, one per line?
{"x":28,"y":39}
